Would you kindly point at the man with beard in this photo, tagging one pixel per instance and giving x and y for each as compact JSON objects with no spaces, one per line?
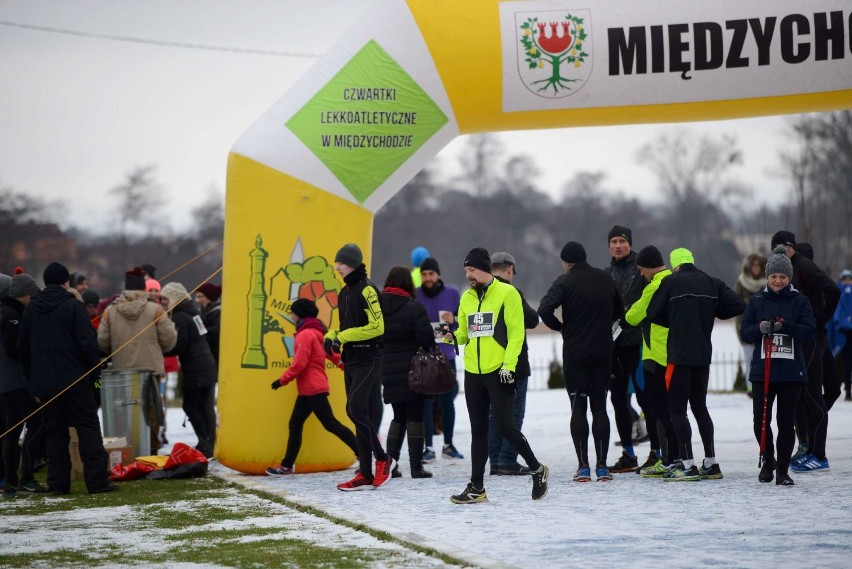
{"x":492,"y":331}
{"x":442,"y":305}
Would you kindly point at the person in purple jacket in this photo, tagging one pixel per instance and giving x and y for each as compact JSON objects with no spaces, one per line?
{"x":442,"y":306}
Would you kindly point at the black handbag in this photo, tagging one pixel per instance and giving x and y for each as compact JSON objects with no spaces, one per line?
{"x":431,"y":372}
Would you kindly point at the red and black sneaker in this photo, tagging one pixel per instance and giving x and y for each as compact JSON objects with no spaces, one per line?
{"x":357,"y":483}
{"x":383,"y":471}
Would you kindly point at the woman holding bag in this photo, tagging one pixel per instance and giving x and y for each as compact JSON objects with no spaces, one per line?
{"x":407,"y":328}
{"x":785,"y":317}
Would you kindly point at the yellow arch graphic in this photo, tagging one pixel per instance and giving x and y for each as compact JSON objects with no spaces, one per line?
{"x":409,"y":78}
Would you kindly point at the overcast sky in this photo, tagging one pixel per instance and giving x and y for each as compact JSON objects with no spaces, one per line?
{"x":77,"y":113}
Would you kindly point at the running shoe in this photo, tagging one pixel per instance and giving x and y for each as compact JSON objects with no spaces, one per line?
{"x":513,"y":469}
{"x":428,"y":455}
{"x":625,"y":463}
{"x":33,"y":487}
{"x":583,"y":474}
{"x":651,"y":461}
{"x":654,"y":471}
{"x":783,"y":480}
{"x":357,"y":483}
{"x":602,"y":473}
{"x":451,"y":452}
{"x":383,"y":471}
{"x":711,"y":473}
{"x":539,"y":480}
{"x":681,"y":474}
{"x":470,"y":495}
{"x":800,"y":456}
{"x":812,"y":464}
{"x":280,"y":470}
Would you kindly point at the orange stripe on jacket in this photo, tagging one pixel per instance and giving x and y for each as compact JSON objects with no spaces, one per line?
{"x":669,"y":374}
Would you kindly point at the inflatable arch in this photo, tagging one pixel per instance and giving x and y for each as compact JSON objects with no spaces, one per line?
{"x":413,"y":75}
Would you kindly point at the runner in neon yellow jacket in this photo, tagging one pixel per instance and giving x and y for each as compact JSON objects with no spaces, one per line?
{"x":654,"y":336}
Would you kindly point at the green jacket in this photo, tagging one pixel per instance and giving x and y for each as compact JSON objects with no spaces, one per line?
{"x":655,"y":349}
{"x":491,"y":328}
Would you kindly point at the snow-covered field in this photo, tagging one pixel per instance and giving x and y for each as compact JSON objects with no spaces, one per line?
{"x":630,"y":522}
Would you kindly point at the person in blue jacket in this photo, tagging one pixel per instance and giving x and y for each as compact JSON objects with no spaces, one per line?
{"x":785,"y":316}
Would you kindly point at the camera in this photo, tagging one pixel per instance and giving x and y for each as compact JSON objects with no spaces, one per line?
{"x":444,"y":328}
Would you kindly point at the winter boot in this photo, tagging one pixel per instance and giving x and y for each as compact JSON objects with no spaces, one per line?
{"x":767,"y":471}
{"x":396,"y":432}
{"x":416,"y":440}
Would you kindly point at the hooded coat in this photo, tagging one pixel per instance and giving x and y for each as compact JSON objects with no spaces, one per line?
{"x":407,"y":328}
{"x":191,"y":348}
{"x":56,"y":342}
{"x":126,"y":318}
{"x":308,"y":367}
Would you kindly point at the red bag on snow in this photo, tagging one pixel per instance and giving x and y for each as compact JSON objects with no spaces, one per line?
{"x":184,"y":454}
{"x":132,"y":471}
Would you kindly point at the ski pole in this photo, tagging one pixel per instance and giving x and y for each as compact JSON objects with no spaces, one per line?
{"x":767,"y":365}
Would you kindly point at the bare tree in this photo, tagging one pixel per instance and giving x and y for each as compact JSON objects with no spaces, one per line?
{"x":139,"y":202}
{"x":209,"y":217}
{"x":479,"y":163}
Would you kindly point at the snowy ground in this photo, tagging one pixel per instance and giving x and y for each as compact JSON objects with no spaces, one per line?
{"x":734,"y":522}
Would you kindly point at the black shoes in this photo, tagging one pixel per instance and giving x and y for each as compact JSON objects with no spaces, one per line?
{"x":767,"y":472}
{"x":539,"y":480}
{"x":513,"y":470}
{"x":625,"y":463}
{"x":107,"y":488}
{"x":783,"y":480}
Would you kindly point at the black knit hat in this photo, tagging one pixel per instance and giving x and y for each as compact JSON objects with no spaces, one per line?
{"x":430,"y":264}
{"x":91,"y":297}
{"x":350,"y":254}
{"x":478,"y":258}
{"x":56,"y":274}
{"x":620,"y":231}
{"x":134,"y":279}
{"x":304,"y":307}
{"x":783,"y":237}
{"x":649,"y":258}
{"x":573,"y":252}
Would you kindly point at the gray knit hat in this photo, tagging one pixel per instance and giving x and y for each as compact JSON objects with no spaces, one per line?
{"x":350,"y":254}
{"x":5,"y":281}
{"x":22,"y":285}
{"x":175,"y":292}
{"x":779,"y":263}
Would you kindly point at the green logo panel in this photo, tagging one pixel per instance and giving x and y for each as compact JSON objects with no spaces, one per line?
{"x":367,"y":121}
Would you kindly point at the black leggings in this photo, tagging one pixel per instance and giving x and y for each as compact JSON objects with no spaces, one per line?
{"x":17,"y":404}
{"x":587,"y":385}
{"x":408,"y":411}
{"x":688,"y":384}
{"x":319,"y":406}
{"x":658,"y":398}
{"x":360,"y":379}
{"x":198,"y":406}
{"x":811,"y":413}
{"x":785,"y":413}
{"x":484,"y":393}
{"x":625,"y":360}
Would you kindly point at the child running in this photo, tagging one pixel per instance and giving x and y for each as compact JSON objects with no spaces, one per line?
{"x":308,"y":369}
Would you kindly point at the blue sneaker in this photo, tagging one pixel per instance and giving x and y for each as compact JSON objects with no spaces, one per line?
{"x":799,"y":464}
{"x":603,"y":474}
{"x":428,"y":455}
{"x":813,"y":464}
{"x":800,"y":457}
{"x":451,"y":452}
{"x":583,"y":474}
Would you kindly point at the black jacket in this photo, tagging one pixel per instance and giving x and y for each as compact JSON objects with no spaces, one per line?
{"x":522,"y":369}
{"x":629,"y":283}
{"x":211,"y":316}
{"x":590,"y":303}
{"x":353,"y":305}
{"x":798,"y":325}
{"x":56,"y":341}
{"x":688,"y":303}
{"x":11,"y":373}
{"x":820,"y":290}
{"x":192,"y":349}
{"x":407,"y":328}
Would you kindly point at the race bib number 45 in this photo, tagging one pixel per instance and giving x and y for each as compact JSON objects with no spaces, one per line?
{"x":480,"y":324}
{"x":782,"y":348}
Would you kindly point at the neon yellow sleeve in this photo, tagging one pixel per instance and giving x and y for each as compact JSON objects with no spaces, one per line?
{"x":375,"y":325}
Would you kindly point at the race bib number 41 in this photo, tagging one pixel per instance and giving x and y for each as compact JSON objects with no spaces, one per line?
{"x":782,"y":348}
{"x":480,"y":324}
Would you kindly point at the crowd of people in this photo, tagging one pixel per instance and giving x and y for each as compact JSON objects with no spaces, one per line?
{"x":60,"y":341}
{"x":640,"y":326}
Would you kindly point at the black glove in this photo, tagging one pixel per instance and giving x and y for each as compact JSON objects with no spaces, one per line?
{"x":765,"y":327}
{"x":331,"y":347}
{"x":507,"y":376}
{"x":276,"y":384}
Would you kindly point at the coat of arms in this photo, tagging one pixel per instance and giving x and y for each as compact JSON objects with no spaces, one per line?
{"x":553,"y":58}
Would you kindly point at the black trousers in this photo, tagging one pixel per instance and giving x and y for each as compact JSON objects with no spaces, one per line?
{"x":75,"y":408}
{"x":688,"y":384}
{"x":830,"y":379}
{"x":360,"y":379}
{"x":587,"y":385}
{"x":484,"y":393}
{"x":408,"y":411}
{"x":811,"y":412}
{"x":198,"y":406}
{"x":787,"y":394}
{"x":625,"y":361}
{"x":658,"y":399}
{"x":17,"y":404}
{"x":319,"y":406}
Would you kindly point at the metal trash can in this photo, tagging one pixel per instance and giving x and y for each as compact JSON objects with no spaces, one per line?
{"x":125,"y":403}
